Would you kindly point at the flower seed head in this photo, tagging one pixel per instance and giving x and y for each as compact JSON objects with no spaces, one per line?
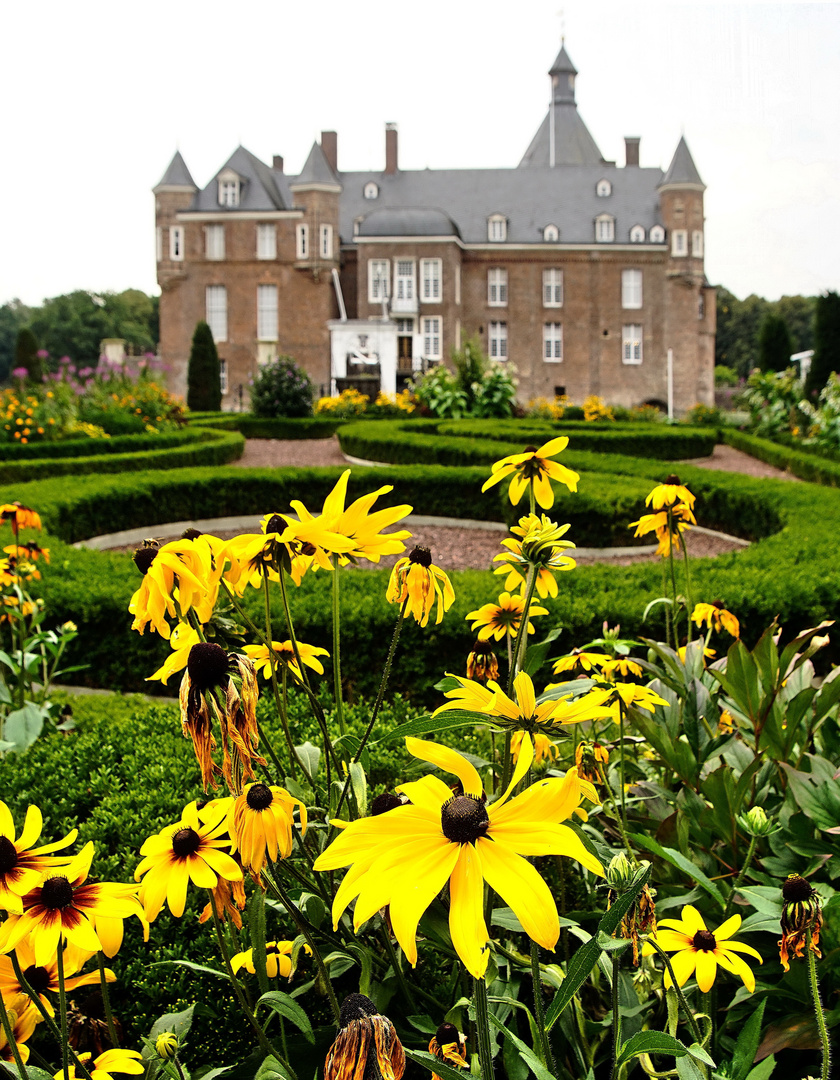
{"x":189,"y":534}
{"x":144,"y":557}
{"x":38,"y":978}
{"x":56,"y":893}
{"x":672,"y":480}
{"x":796,"y":890}
{"x":186,"y":842}
{"x":420,"y":555}
{"x":356,"y":1007}
{"x":207,"y":665}
{"x":8,"y":855}
{"x":447,"y":1033}
{"x":704,"y":940}
{"x":384,"y":802}
{"x":275,"y":524}
{"x":464,"y":819}
{"x":259,"y":797}
{"x":530,"y":449}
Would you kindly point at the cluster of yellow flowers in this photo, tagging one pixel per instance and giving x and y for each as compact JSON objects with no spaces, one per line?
{"x":595,"y":408}
{"x":23,"y":418}
{"x":349,"y":402}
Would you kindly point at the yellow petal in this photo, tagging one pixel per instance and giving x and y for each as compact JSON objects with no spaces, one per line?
{"x":467,"y":927}
{"x":736,"y":966}
{"x":706,"y":970}
{"x":448,"y":760}
{"x":523,"y":890}
{"x":428,"y":876}
{"x":727,"y":929}
{"x":683,"y":964}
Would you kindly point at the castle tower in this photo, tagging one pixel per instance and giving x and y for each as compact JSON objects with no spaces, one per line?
{"x":562,"y":138}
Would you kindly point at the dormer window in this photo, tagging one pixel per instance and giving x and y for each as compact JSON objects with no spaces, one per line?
{"x":637,"y":234}
{"x":551,"y":234}
{"x":229,"y":188}
{"x":371,"y":190}
{"x":497,"y":228}
{"x":657,"y":235}
{"x":605,"y":228}
{"x":603,"y":188}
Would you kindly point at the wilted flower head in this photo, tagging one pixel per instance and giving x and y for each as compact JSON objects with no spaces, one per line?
{"x":367,"y":1045}
{"x":801,"y":919}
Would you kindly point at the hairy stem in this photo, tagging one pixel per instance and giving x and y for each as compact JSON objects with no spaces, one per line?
{"x":616,"y":1019}
{"x":740,"y":879}
{"x":62,"y":1005}
{"x":689,"y":1015}
{"x":106,"y":1001}
{"x":482,"y":1024}
{"x":336,"y":648}
{"x":45,"y":1016}
{"x":818,"y":1009}
{"x":539,"y":1010}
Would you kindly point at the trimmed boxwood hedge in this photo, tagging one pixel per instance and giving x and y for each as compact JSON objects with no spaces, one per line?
{"x":118,"y":444}
{"x":282,"y":427}
{"x":171,"y":451}
{"x":804,"y":463}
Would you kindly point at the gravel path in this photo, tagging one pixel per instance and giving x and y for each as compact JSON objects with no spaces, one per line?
{"x":728,"y":459}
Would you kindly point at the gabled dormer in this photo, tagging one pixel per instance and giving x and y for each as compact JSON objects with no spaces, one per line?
{"x":229,"y":188}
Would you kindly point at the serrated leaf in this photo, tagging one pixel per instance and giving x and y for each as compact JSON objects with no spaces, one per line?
{"x":287,"y":1007}
{"x":676,"y":858}
{"x":448,"y":721}
{"x":651,"y":1042}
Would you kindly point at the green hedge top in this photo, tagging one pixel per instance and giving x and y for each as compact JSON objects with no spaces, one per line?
{"x":117,"y":444}
{"x":257,"y":427}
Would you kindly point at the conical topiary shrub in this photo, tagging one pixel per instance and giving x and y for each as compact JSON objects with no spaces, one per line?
{"x":204,"y":382}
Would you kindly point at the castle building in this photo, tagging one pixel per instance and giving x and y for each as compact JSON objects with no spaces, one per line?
{"x":587,"y":276}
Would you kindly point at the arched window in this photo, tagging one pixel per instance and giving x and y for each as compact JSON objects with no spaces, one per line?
{"x":371,"y":190}
{"x":637,"y":234}
{"x":551,"y":234}
{"x":603,"y":188}
{"x":657,"y":235}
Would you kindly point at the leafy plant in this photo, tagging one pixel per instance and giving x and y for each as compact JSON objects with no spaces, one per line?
{"x":281,"y":388}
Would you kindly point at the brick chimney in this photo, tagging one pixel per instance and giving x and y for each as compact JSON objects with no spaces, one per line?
{"x":391,"y":149}
{"x":277,"y":162}
{"x":329,"y":144}
{"x":631,"y":150}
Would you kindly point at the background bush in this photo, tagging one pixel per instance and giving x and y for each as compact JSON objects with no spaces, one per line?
{"x":281,"y":388}
{"x":204,"y":377}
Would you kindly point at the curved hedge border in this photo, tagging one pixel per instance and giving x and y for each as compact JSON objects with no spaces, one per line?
{"x":199,"y":448}
{"x":118,"y":444}
{"x":805,"y":464}
{"x":258,"y":427}
{"x":481,"y":442}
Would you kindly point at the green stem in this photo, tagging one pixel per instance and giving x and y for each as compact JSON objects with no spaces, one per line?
{"x":62,"y":1005}
{"x":539,"y":1010}
{"x":818,"y":1009}
{"x":106,"y":1001}
{"x":669,"y":634}
{"x":689,"y":1015}
{"x":336,"y":645}
{"x":616,"y":1019}
{"x":398,"y":971}
{"x":687,"y":562}
{"x":45,"y":1016}
{"x":739,"y":880}
{"x":674,"y":609}
{"x":617,"y":812}
{"x":522,"y":635}
{"x":621,"y":766}
{"x":10,"y":1040}
{"x":482,"y":1024}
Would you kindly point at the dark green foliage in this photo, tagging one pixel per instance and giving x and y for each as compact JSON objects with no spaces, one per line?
{"x":281,"y":388}
{"x":826,"y":342}
{"x":283,"y":427}
{"x":26,"y":354}
{"x":75,"y":323}
{"x":204,"y":386}
{"x":774,"y":344}
{"x":13,"y":316}
{"x":739,"y":323}
{"x":807,"y":463}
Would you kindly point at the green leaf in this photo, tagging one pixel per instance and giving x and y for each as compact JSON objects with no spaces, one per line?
{"x":676,"y":858}
{"x":428,"y":725}
{"x":430,"y":1062}
{"x":422,"y":1022}
{"x":310,"y":756}
{"x":747,"y":1045}
{"x":763,"y":1070}
{"x":525,"y":1052}
{"x":820,"y":802}
{"x":358,"y":781}
{"x":687,"y":1069}
{"x":271,"y":1069}
{"x":202,"y":969}
{"x":178,"y":1023}
{"x":286,"y":1006}
{"x":537,"y":654}
{"x":23,"y":726}
{"x":651,"y":1042}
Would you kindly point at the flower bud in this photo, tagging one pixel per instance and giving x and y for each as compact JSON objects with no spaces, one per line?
{"x":756,"y":823}
{"x":619,"y":873}
{"x":166,"y":1045}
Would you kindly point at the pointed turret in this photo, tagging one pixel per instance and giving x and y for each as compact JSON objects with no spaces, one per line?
{"x":562,"y":138}
{"x":682,"y":172}
{"x":562,"y":73}
{"x":316,"y":171}
{"x":177,"y":175}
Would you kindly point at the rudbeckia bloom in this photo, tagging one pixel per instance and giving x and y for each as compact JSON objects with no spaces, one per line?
{"x":670,"y":493}
{"x":62,"y":908}
{"x":182,"y":640}
{"x":182,"y":570}
{"x":580,"y":662}
{"x":405,"y":856}
{"x":449,"y":1045}
{"x":590,"y":759}
{"x":22,"y":866}
{"x":45,"y":978}
{"x":416,"y":583}
{"x":28,"y":550}
{"x":621,"y":665}
{"x":285,"y":654}
{"x":699,"y":951}
{"x":19,"y":516}
{"x":228,"y":900}
{"x":633,"y":696}
{"x":367,"y":1044}
{"x":278,"y":959}
{"x":534,"y":467}
{"x":189,"y":850}
{"x":104,"y":1067}
{"x":503,"y":617}
{"x":263,"y":817}
{"x":800,"y":914}
{"x":716,"y":616}
{"x":23,"y":1016}
{"x":482,"y":663}
{"x":668,"y":532}
{"x":540,"y":547}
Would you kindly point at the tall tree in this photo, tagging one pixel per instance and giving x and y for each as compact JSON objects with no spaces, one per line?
{"x":204,"y":380}
{"x":774,"y":344}
{"x":75,"y":323}
{"x":13,"y":316}
{"x":826,"y":342}
{"x":26,"y":354}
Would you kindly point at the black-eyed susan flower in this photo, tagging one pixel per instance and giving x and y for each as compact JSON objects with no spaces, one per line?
{"x":19,"y":516}
{"x":503,"y":617}
{"x":44,"y":978}
{"x":106,"y":1065}
{"x":668,"y":525}
{"x":716,"y":617}
{"x":449,"y":1045}
{"x":189,"y":850}
{"x":633,"y":696}
{"x":283,"y":652}
{"x":620,"y":665}
{"x":63,"y":907}
{"x":482,"y":663}
{"x":416,"y":584}
{"x":23,"y":1016}
{"x":22,"y":865}
{"x":459,"y":839}
{"x":544,"y":749}
{"x":591,"y":759}
{"x":700,"y":951}
{"x":182,"y":639}
{"x":28,"y":550}
{"x":669,"y":493}
{"x":179,"y":577}
{"x":534,"y":467}
{"x":801,"y":919}
{"x":228,"y":899}
{"x":263,"y":819}
{"x":541,"y":549}
{"x":367,"y":1044}
{"x":278,"y":959}
{"x":581,"y":663}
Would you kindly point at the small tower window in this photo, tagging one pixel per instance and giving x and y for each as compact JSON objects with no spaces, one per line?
{"x":371,"y":190}
{"x":603,"y":188}
{"x":637,"y":234}
{"x":605,"y":228}
{"x":497,"y":228}
{"x":551,"y":234}
{"x":229,"y":188}
{"x":697,"y":244}
{"x":657,"y":235}
{"x":679,"y":243}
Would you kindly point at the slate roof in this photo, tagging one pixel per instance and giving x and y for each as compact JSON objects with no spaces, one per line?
{"x":316,"y":170}
{"x":409,"y":221}
{"x":262,"y":188}
{"x":682,"y":169}
{"x":573,"y":145}
{"x":177,"y":174}
{"x":562,"y":63}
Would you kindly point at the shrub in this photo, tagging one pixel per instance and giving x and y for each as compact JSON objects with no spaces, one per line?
{"x":826,"y":342}
{"x":704,"y":416}
{"x":26,"y":355}
{"x":496,"y":393}
{"x":725,"y":376}
{"x":774,"y":344}
{"x":595,"y":408}
{"x":441,"y":394}
{"x":204,"y":379}
{"x":281,"y":388}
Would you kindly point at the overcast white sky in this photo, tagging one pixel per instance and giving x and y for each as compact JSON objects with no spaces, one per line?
{"x":97,"y":96}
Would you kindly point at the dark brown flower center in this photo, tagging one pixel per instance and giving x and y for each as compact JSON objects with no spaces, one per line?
{"x":383,"y":803}
{"x":275,"y":524}
{"x":56,"y":893}
{"x":530,"y":450}
{"x":207,"y":665}
{"x":186,"y":842}
{"x":308,"y":549}
{"x":447,"y":1033}
{"x":705,"y":941}
{"x":191,"y":534}
{"x":259,"y":796}
{"x":8,"y":855}
{"x":796,"y":889}
{"x":421,"y":555}
{"x":356,"y":1007}
{"x":144,"y":557}
{"x":38,"y":978}
{"x":464,"y":819}
{"x":673,"y":479}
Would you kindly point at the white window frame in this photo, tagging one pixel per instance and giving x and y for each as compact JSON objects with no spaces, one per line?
{"x":637,"y":234}
{"x":632,"y":344}
{"x":458,"y":285}
{"x":229,"y":191}
{"x":431,"y":278}
{"x":214,"y":242}
{"x":379,"y":275}
{"x":302,"y":241}
{"x":697,"y":244}
{"x":215,"y":311}
{"x":432,"y":337}
{"x":497,"y":228}
{"x":497,"y":287}
{"x":326,"y":241}
{"x":552,"y":287}
{"x":223,"y":375}
{"x":176,"y":243}
{"x":497,"y":341}
{"x":159,"y":244}
{"x":551,"y":234}
{"x":553,"y":343}
{"x":405,"y":284}
{"x":657,"y":234}
{"x":679,"y":243}
{"x":603,"y":188}
{"x":266,"y":240}
{"x":267,"y":313}
{"x":631,"y":289}
{"x":371,"y":190}
{"x":604,"y":229}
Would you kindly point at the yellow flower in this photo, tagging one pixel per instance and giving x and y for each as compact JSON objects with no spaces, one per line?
{"x":449,"y":1045}
{"x":263,"y":818}
{"x":22,"y":866}
{"x":183,"y":571}
{"x":534,"y":467}
{"x":104,"y":1066}
{"x":406,"y":856}
{"x":715,"y":616}
{"x":621,"y":665}
{"x":45,"y":978}
{"x":700,"y":951}
{"x":482,"y":663}
{"x":540,"y":547}
{"x":285,"y":654}
{"x":726,"y":722}
{"x":579,"y":662}
{"x":504,"y":617}
{"x":670,"y":493}
{"x":416,"y":584}
{"x":278,"y":959}
{"x":544,"y":748}
{"x":667,"y":532}
{"x":633,"y":696}
{"x":683,"y":650}
{"x":182,"y":639}
{"x":23,"y":1016}
{"x":591,"y":759}
{"x":19,"y":516}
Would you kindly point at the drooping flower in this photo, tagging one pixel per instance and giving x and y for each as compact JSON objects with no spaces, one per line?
{"x":581,"y":662}
{"x":416,"y":584}
{"x":189,"y":850}
{"x":641,"y":918}
{"x":533,"y":466}
{"x":19,"y":516}
{"x":441,"y":837}
{"x":263,"y":819}
{"x":228,"y":899}
{"x":633,"y":696}
{"x":620,"y":665}
{"x":22,"y":866}
{"x":715,"y":616}
{"x":700,"y":951}
{"x":44,"y":978}
{"x":285,"y":654}
{"x":544,"y":748}
{"x":105,"y":1065}
{"x":367,"y":1044}
{"x":668,"y":525}
{"x":23,"y":1016}
{"x":540,"y":548}
{"x":28,"y":550}
{"x":449,"y":1045}
{"x":503,"y":617}
{"x":482,"y":663}
{"x":591,"y":758}
{"x":278,"y":959}
{"x":670,"y":493}
{"x":801,"y":917}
